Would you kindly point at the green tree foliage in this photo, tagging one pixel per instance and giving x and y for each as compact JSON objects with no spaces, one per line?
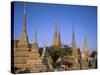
{"x":40,"y":50}
{"x":93,"y":54}
{"x":66,"y":50}
{"x":55,"y":53}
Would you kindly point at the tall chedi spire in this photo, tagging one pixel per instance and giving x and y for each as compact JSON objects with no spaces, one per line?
{"x":74,"y":49}
{"x":45,"y":55}
{"x":46,"y":59}
{"x":23,"y":37}
{"x":21,"y":53}
{"x":35,"y":44}
{"x":56,"y":38}
{"x":85,"y":54}
{"x":85,"y":51}
{"x":24,"y":19}
{"x":44,"y":49}
{"x":74,"y":52}
{"x":35,"y":62}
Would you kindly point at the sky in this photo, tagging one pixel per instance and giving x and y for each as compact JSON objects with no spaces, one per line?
{"x":41,"y":17}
